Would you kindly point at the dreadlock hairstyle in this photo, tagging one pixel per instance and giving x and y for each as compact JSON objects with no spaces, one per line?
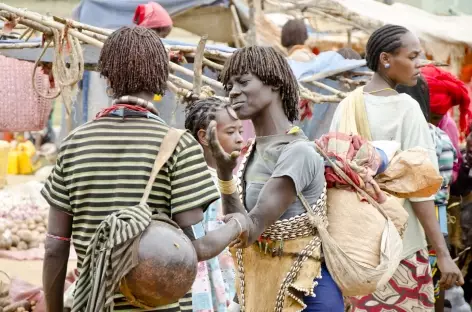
{"x":271,"y":68}
{"x":199,"y":114}
{"x":134,"y":60}
{"x":385,"y":39}
{"x":294,"y":33}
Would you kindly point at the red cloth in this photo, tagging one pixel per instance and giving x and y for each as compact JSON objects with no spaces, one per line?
{"x":305,"y":110}
{"x":446,"y":91}
{"x":355,"y":156}
{"x":152,"y":15}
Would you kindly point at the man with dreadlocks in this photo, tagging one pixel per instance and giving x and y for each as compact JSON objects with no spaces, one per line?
{"x":214,"y":287}
{"x":280,"y":177}
{"x":102,"y":169}
{"x":392,"y":53}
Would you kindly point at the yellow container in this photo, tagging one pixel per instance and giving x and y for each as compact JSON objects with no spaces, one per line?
{"x":4,"y":149}
{"x":27,"y":147}
{"x":13,"y":167}
{"x":24,"y":162}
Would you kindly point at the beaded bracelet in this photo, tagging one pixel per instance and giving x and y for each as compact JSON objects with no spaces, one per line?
{"x":65,"y":239}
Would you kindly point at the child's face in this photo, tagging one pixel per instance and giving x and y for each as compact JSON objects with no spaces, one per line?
{"x":229,"y":131}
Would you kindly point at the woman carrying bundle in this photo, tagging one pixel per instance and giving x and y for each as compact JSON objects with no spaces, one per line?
{"x":392,"y":53}
{"x":280,"y":266}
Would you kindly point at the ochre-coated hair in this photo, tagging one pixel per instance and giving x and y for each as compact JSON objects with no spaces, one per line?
{"x":271,"y":68}
{"x":199,"y":114}
{"x":294,"y":33}
{"x":385,"y":39}
{"x":134,"y":60}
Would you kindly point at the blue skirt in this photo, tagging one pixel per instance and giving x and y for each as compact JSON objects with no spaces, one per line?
{"x":328,"y":295}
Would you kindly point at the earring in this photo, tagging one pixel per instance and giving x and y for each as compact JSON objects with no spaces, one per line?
{"x":387,"y":65}
{"x":109,"y":92}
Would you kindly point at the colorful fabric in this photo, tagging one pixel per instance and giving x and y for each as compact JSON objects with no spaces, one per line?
{"x":433,"y":262}
{"x":152,"y":15}
{"x":215,"y":285}
{"x":448,"y":125}
{"x":446,"y":91}
{"x":359,"y":160}
{"x":447,"y":157}
{"x":409,"y":290}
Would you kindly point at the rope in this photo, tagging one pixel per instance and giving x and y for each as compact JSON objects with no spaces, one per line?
{"x":65,"y":77}
{"x":299,"y":226}
{"x":33,"y":77}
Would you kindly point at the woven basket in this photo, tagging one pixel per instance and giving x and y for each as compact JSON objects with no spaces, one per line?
{"x":21,"y":108}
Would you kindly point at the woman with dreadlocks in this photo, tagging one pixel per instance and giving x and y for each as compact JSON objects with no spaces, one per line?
{"x":392,"y":53}
{"x":280,"y":178}
{"x":101,"y":172}
{"x":214,"y":288}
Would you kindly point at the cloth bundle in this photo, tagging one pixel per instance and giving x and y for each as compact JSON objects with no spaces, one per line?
{"x":358,"y":158}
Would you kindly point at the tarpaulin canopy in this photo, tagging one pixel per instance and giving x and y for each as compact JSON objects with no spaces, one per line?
{"x":113,"y":14}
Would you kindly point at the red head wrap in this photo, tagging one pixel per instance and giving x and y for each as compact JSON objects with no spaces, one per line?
{"x":152,"y":15}
{"x":446,"y":91}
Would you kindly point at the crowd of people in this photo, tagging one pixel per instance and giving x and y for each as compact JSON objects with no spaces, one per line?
{"x":253,"y":233}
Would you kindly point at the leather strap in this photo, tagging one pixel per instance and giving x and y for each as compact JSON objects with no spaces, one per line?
{"x":168,"y":145}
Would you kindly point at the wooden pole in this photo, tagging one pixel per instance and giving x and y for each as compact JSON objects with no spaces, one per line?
{"x":50,"y":23}
{"x":80,"y":26}
{"x":210,"y":53}
{"x":198,"y":66}
{"x":237,"y":25}
{"x":212,"y":64}
{"x":341,"y":94}
{"x":349,"y":38}
{"x":21,"y":45}
{"x":188,"y":72}
{"x":36,"y":26}
{"x":254,"y":11}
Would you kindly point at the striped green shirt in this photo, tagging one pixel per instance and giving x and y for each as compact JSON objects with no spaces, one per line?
{"x":104,"y":165}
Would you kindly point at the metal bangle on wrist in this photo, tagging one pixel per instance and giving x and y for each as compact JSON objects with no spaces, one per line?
{"x":240,"y":226}
{"x":227,"y":187}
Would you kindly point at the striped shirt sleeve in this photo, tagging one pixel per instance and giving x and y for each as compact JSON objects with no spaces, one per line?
{"x":191,"y":183}
{"x":55,"y":191}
